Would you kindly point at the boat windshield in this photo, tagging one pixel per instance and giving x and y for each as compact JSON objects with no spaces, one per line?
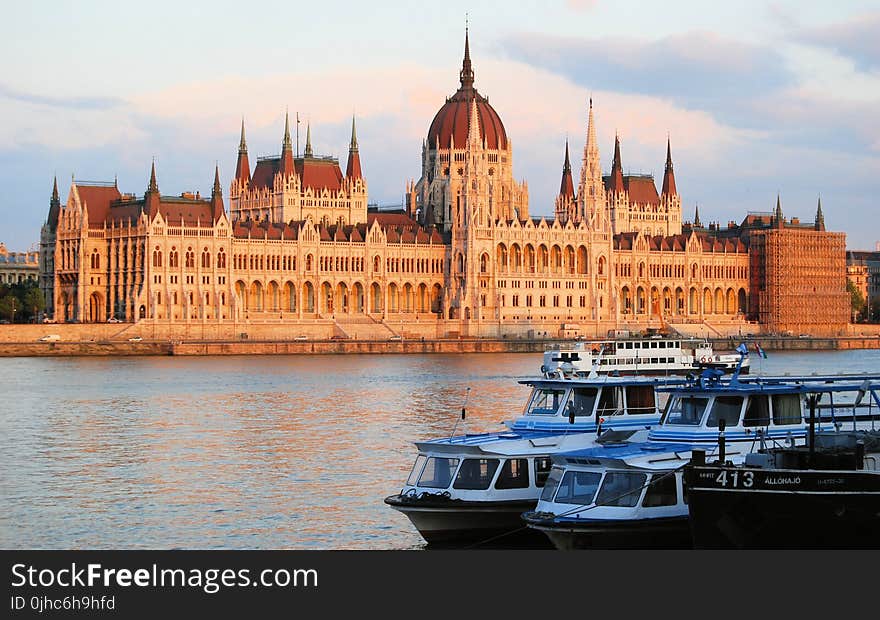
{"x":727,"y":408}
{"x":687,"y":410}
{"x":551,"y":484}
{"x":475,"y":474}
{"x":438,"y":472}
{"x":545,"y":401}
{"x":621,"y":488}
{"x":582,"y":401}
{"x":416,"y":470}
{"x":578,"y":487}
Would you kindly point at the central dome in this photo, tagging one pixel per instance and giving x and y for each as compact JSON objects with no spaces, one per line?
{"x":451,"y":121}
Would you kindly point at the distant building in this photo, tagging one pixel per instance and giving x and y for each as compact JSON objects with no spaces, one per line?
{"x":300,"y":245}
{"x":863,"y":269}
{"x":18,"y":267}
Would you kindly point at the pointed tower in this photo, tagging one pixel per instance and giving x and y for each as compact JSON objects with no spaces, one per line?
{"x":697,"y":222}
{"x":820,"y":217}
{"x":778,"y":219}
{"x":54,"y":207}
{"x":668,"y":175}
{"x":308,"y":151}
{"x":242,"y":167}
{"x":286,"y":167}
{"x":217,"y":194}
{"x":591,"y":189}
{"x":670,"y":201}
{"x":616,"y":181}
{"x":353,"y":167}
{"x":152,"y":197}
{"x":566,"y":205}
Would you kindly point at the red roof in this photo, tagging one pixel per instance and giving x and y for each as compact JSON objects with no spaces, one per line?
{"x":318,"y":174}
{"x":452,"y":122}
{"x":97,"y":199}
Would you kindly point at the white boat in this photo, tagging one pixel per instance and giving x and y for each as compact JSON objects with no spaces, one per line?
{"x":630,"y":493}
{"x":629,"y":356}
{"x":471,"y":488}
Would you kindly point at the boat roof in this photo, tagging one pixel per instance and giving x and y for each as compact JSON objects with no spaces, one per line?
{"x":776,"y":385}
{"x":647,"y":452}
{"x":506,"y":443}
{"x":602,"y":380}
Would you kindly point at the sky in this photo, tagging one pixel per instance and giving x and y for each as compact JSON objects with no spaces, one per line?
{"x":758,"y":99}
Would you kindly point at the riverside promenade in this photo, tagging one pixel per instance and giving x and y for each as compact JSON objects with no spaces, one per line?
{"x":125,"y":339}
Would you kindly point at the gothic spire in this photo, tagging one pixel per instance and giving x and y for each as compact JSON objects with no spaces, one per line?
{"x":286,"y":144}
{"x":216,"y":190}
{"x":308,"y":151}
{"x":820,"y":217}
{"x":243,"y":167}
{"x":467,"y":72}
{"x":697,"y":222}
{"x":617,"y":168}
{"x":286,"y":148}
{"x":55,"y":197}
{"x":217,"y":195}
{"x":778,"y":215}
{"x":154,"y":186}
{"x":54,"y":207}
{"x":353,"y":168}
{"x":669,"y":175}
{"x":566,"y":188}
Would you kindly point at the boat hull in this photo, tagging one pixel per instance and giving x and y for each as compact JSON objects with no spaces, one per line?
{"x":785,"y":509}
{"x":659,"y":533}
{"x":448,"y":522}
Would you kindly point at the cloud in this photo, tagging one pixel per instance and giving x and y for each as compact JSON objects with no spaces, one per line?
{"x":581,"y":5}
{"x":856,"y":39}
{"x":73,"y":103}
{"x":699,"y":70}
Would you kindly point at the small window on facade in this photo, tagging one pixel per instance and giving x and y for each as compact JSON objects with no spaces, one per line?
{"x":475,"y":474}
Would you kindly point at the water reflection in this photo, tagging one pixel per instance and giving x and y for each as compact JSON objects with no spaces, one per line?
{"x":247,"y":452}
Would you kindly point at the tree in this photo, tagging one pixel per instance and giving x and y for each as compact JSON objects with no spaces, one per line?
{"x":33,"y":302}
{"x":857,"y":300}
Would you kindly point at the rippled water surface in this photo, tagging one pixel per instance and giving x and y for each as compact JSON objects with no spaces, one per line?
{"x":264,"y":452}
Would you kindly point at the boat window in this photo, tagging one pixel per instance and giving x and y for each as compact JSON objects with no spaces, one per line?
{"x":608,"y":401}
{"x":438,"y":472}
{"x":545,"y":401}
{"x":542,"y":470}
{"x":727,"y":408}
{"x":757,"y":412}
{"x":552,"y":483}
{"x":416,"y":470}
{"x":578,"y":487}
{"x":582,"y":401}
{"x":640,"y":399}
{"x":514,"y":474}
{"x":475,"y":474}
{"x":786,"y":409}
{"x":661,"y":491}
{"x":621,"y":489}
{"x":688,"y":410}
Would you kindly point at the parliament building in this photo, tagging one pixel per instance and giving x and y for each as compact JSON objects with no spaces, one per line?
{"x":299,"y":249}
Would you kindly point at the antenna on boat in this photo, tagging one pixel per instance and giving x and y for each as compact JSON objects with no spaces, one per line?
{"x":463,"y":411}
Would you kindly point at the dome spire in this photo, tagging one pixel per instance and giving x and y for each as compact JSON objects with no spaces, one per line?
{"x":467,"y":71}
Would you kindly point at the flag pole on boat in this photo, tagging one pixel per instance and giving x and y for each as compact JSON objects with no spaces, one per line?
{"x":463,"y":412}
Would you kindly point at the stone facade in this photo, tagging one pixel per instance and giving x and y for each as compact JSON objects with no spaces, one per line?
{"x":18,"y":267}
{"x":299,"y":246}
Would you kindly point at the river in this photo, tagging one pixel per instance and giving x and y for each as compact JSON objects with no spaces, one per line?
{"x":248,"y":452}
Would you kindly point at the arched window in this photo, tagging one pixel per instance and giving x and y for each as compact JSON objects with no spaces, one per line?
{"x":190,"y":258}
{"x":173,"y":258}
{"x":95,"y":260}
{"x":221,"y":259}
{"x":206,"y":259}
{"x":157,"y":257}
